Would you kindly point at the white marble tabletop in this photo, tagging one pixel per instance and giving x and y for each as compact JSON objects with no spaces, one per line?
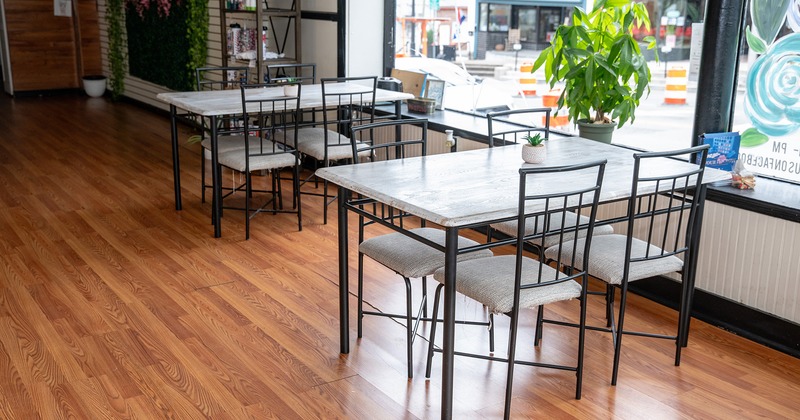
{"x":458,"y":189}
{"x":227,"y":102}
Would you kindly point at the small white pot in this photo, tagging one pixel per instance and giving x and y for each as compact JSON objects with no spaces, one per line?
{"x":291,"y":90}
{"x":95,"y":86}
{"x":534,"y":154}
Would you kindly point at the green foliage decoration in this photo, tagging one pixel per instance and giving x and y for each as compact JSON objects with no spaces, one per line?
{"x":600,"y":63}
{"x":116,"y":47}
{"x":197,"y":34}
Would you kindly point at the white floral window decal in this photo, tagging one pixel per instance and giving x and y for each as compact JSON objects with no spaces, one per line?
{"x":773,"y":84}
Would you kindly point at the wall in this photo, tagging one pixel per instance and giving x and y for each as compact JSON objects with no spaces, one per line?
{"x":364,"y":38}
{"x":41,"y":46}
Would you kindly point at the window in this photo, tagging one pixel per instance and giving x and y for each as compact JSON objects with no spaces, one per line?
{"x":499,"y":17}
{"x":767,"y":99}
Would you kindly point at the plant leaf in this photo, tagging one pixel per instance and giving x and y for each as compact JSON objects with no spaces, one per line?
{"x":752,"y":138}
{"x":755,"y":43}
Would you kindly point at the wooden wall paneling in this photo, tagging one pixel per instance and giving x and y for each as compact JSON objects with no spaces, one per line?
{"x":41,"y":46}
{"x":88,"y":33}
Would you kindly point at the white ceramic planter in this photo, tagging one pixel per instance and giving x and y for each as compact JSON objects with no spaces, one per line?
{"x":95,"y":86}
{"x":534,"y":154}
{"x":291,"y":90}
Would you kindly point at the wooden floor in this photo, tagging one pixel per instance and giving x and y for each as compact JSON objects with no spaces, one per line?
{"x":114,"y":305}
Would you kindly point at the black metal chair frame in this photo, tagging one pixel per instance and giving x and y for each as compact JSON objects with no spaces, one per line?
{"x":684,"y":208}
{"x":340,"y":112}
{"x":579,"y":198}
{"x":265,"y":118}
{"x":277,"y":73}
{"x":225,"y":123}
{"x":509,"y":132}
{"x":371,"y":213}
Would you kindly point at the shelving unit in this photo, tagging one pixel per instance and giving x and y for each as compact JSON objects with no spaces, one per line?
{"x":282,"y":20}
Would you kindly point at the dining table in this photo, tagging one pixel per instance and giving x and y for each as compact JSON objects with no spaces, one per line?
{"x":217,"y":104}
{"x":474,"y":188}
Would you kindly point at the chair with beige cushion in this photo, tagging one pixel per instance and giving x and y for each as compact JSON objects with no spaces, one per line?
{"x":511,"y":127}
{"x":405,"y":255}
{"x":228,"y":127}
{"x":268,"y":148}
{"x":507,"y":284}
{"x":660,"y":228}
{"x":347,"y":102}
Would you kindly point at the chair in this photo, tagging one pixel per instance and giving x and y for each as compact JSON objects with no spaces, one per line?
{"x":305,"y":74}
{"x":270,"y":116}
{"x":508,"y":283}
{"x":661,"y":226}
{"x":512,"y":127}
{"x":347,"y":102}
{"x":220,"y":78}
{"x":405,"y":255}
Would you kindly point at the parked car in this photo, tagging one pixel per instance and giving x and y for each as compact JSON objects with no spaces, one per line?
{"x":463,"y":91}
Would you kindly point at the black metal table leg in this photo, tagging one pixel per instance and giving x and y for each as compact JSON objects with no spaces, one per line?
{"x":448,"y":343}
{"x":344,"y":292}
{"x":216,"y":179}
{"x":176,"y":165}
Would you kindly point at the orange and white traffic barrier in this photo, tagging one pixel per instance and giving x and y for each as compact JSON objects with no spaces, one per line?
{"x":527,"y":82}
{"x":677,"y":79}
{"x":550,"y":100}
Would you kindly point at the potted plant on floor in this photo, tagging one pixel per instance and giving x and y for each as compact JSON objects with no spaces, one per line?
{"x":600,"y":64}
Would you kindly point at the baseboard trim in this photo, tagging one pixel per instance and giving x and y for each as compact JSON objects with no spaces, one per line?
{"x":739,"y":319}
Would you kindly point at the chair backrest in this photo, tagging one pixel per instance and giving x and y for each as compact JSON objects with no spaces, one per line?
{"x":550,"y":204}
{"x":220,"y":78}
{"x":272,"y":119}
{"x":508,"y":127}
{"x":347,"y":101}
{"x":388,"y":140}
{"x":404,"y":138}
{"x":665,"y":219}
{"x":304,"y":73}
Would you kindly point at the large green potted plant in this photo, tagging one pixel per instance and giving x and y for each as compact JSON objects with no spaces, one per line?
{"x":600,"y":64}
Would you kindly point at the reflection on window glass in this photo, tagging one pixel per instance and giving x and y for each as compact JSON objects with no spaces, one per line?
{"x":484,"y":17}
{"x":499,"y":17}
{"x":527,"y":25}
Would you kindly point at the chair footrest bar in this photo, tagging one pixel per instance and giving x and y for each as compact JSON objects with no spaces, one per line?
{"x":516,"y":362}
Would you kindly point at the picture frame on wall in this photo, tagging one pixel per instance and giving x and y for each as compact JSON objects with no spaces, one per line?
{"x":435,"y":90}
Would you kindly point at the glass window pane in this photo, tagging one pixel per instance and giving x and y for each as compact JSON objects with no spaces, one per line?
{"x":499,"y":17}
{"x":767,"y":111}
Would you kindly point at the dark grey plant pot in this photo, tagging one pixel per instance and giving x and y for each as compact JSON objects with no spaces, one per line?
{"x":596,"y":132}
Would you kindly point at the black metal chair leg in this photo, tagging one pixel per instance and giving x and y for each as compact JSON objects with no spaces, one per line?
{"x":360,"y":294}
{"x":491,"y":332}
{"x":431,"y":343}
{"x":618,"y":342}
{"x":512,"y":345}
{"x":424,"y":295}
{"x":409,"y":330}
{"x":537,"y":338}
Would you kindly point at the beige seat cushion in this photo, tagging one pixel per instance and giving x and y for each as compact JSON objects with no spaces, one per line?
{"x":411,"y":258}
{"x":225,"y":143}
{"x":490,"y":281}
{"x":607,"y":257}
{"x":236,"y":159}
{"x":311,"y":142}
{"x":537,"y":225}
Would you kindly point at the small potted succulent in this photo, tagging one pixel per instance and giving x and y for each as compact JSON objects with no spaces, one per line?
{"x":534,"y":150}
{"x":290,"y":86}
